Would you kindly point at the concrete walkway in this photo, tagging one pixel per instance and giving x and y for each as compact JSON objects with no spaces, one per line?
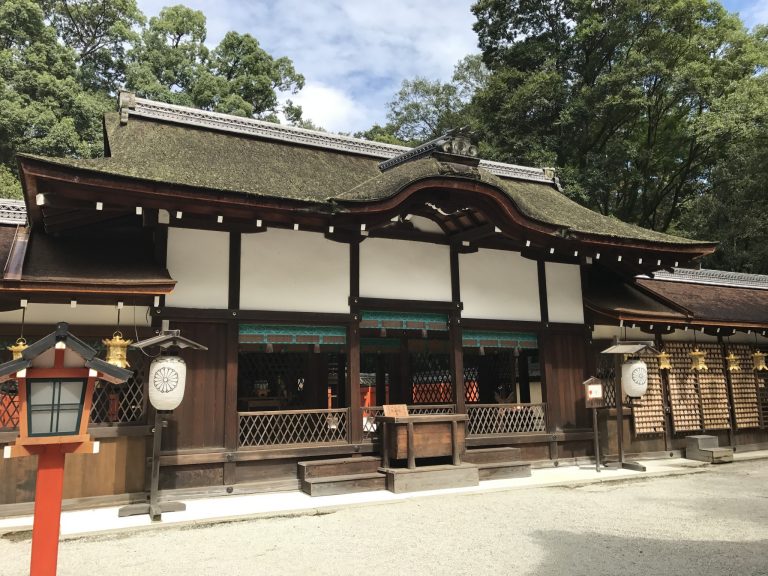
{"x":211,"y":510}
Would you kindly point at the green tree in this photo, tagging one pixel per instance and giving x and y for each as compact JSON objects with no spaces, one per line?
{"x":98,"y":31}
{"x":43,"y":109}
{"x":612,"y":94}
{"x":171,"y":63}
{"x":424,"y":109}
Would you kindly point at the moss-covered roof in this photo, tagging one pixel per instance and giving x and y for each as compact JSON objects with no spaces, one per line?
{"x":185,"y":154}
{"x":539,"y":201}
{"x":175,"y":154}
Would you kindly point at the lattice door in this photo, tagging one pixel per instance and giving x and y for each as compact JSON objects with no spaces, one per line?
{"x":431,"y":381}
{"x":744,"y":385}
{"x":648,"y":413}
{"x":471,"y":389}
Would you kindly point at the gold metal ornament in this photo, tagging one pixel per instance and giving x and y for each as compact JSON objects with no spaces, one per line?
{"x":733,"y":362}
{"x":758,"y":361}
{"x":697,"y":360}
{"x":117,"y":350}
{"x":664,"y":361}
{"x":18,"y":348}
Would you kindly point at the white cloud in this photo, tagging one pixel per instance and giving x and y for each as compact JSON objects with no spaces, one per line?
{"x":329,"y":107}
{"x":353,"y":53}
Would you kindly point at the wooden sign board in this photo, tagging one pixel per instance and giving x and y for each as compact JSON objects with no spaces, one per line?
{"x":395,"y":410}
{"x":593,"y":393}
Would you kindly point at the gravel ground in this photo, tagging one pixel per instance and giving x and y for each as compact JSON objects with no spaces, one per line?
{"x":712,"y":523}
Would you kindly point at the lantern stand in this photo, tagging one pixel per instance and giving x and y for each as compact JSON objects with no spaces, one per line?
{"x":167,"y":380}
{"x":626,"y":348}
{"x":56,"y":376}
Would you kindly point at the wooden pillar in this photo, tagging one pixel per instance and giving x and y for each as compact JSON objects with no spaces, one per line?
{"x":664,"y":378}
{"x":405,"y":390}
{"x":353,"y":381}
{"x":457,"y":362}
{"x":729,"y":388}
{"x":381,"y":379}
{"x":455,"y":335}
{"x":231,"y":417}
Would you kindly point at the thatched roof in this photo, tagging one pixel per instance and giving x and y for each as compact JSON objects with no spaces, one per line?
{"x":163,"y":143}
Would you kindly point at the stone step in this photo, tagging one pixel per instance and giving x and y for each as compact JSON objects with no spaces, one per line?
{"x":501,"y":470}
{"x":491,"y":455}
{"x":702,"y":441}
{"x":338,"y":467}
{"x":401,"y":480}
{"x":331,"y":485}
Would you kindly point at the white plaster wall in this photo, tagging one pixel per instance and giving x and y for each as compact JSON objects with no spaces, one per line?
{"x":501,"y":285}
{"x":293,"y":271}
{"x":199,"y":261}
{"x":82,"y":314}
{"x":405,"y":270}
{"x":564,"y":301}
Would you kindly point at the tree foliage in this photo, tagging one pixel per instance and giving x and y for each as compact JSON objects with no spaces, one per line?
{"x":62,"y":61}
{"x":614,"y":94}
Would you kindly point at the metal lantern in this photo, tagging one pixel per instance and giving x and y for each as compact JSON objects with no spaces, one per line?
{"x":758,"y":361}
{"x":664,"y":361}
{"x":167,"y":379}
{"x":117,"y":350}
{"x":634,"y":377}
{"x":733,"y":362}
{"x":698,"y":363}
{"x":55,"y":406}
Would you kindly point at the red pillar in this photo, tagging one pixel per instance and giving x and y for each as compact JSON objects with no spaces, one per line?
{"x":48,"y":494}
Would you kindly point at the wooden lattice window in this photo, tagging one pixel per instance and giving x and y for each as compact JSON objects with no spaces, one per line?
{"x":431,"y":381}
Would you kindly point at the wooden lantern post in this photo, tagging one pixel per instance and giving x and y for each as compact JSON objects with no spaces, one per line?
{"x":56,"y":377}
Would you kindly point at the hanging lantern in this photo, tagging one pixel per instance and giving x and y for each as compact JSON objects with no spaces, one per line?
{"x":697,"y":360}
{"x":167,"y":379}
{"x":634,"y":377}
{"x":664,"y":361}
{"x":733,"y":362}
{"x":758,"y":361}
{"x":117,"y":350}
{"x":18,"y":348}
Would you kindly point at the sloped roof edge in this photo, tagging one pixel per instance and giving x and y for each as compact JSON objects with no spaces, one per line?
{"x":153,"y":110}
{"x":712,"y":277}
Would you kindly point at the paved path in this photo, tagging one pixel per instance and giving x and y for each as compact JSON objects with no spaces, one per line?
{"x":710,"y":523}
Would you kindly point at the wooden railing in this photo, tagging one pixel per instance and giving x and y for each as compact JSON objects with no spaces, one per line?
{"x":502,"y":419}
{"x":289,"y":427}
{"x":370,"y":428}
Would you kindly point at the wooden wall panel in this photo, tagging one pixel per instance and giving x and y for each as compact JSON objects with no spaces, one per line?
{"x":563,"y":357}
{"x":118,"y":468}
{"x":199,"y":421}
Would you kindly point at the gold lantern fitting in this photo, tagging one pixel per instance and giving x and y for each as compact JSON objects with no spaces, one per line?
{"x":758,"y":361}
{"x":117,"y":350}
{"x":733,"y":362}
{"x":664,"y":361}
{"x":697,"y":360}
{"x":18,"y":348}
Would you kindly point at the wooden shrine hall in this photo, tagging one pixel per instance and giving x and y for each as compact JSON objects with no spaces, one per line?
{"x":331,"y":277}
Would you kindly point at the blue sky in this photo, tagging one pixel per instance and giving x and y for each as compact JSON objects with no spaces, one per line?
{"x":355,"y":53}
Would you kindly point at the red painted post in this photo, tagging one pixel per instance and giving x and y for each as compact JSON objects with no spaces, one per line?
{"x":48,"y":494}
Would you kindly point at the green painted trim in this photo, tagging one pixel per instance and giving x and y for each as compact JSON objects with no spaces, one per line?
{"x":404,"y":320}
{"x":292,"y":334}
{"x":494,"y":339}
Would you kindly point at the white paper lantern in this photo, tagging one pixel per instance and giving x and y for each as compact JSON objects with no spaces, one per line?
{"x":167,"y":377}
{"x":634,"y":378}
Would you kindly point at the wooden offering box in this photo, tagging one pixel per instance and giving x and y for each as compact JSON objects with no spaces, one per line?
{"x":423,"y":436}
